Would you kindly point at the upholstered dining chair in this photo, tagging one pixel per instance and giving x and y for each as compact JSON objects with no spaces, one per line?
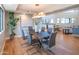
{"x":33,"y":39}
{"x":51,"y":41}
{"x":43,"y":29}
{"x":49,"y":30}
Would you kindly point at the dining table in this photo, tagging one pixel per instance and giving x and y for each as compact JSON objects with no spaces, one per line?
{"x":40,"y":35}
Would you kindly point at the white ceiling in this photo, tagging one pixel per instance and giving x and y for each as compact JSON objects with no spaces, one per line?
{"x":31,"y":8}
{"x":67,"y":13}
{"x":10,"y":7}
{"x":47,"y":8}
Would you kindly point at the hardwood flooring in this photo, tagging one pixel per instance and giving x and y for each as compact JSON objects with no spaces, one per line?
{"x":19,"y":46}
{"x":65,"y":45}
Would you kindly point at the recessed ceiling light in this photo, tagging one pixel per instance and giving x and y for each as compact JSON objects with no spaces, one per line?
{"x":36,"y":4}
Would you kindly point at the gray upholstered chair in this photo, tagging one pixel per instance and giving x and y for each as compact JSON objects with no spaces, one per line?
{"x":32,"y":39}
{"x":49,"y":30}
{"x":23,"y":35}
{"x":43,"y":29}
{"x":51,"y":41}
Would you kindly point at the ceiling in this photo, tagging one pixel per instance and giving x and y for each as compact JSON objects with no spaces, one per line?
{"x":31,"y":8}
{"x":10,"y":7}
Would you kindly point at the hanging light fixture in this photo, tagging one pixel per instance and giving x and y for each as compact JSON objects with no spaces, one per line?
{"x":38,"y":15}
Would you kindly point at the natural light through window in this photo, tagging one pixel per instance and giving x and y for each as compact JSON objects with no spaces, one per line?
{"x":1,"y":19}
{"x":51,"y":21}
{"x":58,"y":20}
{"x":67,"y":20}
{"x":72,"y":20}
{"x":63,"y":20}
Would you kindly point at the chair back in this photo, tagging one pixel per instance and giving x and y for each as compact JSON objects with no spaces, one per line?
{"x":51,"y":41}
{"x":43,"y":29}
{"x":31,"y":30}
{"x":49,"y":30}
{"x":24,"y":31}
{"x":23,"y":35}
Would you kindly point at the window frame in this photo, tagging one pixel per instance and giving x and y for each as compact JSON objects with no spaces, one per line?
{"x":1,"y":20}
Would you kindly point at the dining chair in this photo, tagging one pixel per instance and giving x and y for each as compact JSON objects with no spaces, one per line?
{"x":43,"y":29}
{"x":33,"y":39}
{"x":31,"y":28}
{"x":23,"y":35}
{"x":49,"y":30}
{"x":51,"y":41}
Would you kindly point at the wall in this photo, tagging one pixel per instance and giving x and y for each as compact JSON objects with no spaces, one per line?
{"x":6,"y":27}
{"x":2,"y":33}
{"x":25,"y":20}
{"x":65,"y":15}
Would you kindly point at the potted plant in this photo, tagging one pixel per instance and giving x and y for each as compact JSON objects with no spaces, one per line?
{"x":12,"y":22}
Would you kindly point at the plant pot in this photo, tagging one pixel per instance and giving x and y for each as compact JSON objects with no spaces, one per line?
{"x":12,"y":37}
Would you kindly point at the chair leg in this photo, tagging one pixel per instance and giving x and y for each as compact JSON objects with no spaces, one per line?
{"x":40,"y":44}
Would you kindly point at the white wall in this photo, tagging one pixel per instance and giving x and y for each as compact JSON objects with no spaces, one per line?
{"x":25,"y":20}
{"x":6,"y":27}
{"x":65,"y":15}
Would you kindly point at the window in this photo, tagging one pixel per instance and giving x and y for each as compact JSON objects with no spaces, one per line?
{"x":51,"y":21}
{"x":66,"y":20}
{"x":58,"y":20}
{"x":63,"y":20}
{"x":1,"y":19}
{"x":72,"y":20}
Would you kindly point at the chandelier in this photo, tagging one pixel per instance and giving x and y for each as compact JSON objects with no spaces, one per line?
{"x":38,"y":15}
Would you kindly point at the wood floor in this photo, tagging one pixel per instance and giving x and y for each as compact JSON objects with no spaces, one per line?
{"x":19,"y":46}
{"x":65,"y":45}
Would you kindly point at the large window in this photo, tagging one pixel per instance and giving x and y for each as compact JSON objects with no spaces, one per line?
{"x":52,"y":21}
{"x":67,"y":20}
{"x":1,"y":19}
{"x":72,"y":20}
{"x":58,"y":20}
{"x":47,"y":20}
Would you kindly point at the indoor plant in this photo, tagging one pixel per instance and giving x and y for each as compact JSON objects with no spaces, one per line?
{"x":12,"y":22}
